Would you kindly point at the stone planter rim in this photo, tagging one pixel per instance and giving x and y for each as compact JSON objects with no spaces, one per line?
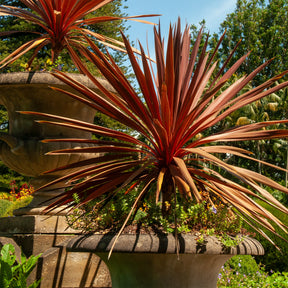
{"x":161,"y":243}
{"x":45,"y":77}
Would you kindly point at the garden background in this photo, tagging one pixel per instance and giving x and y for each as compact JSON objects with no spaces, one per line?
{"x":263,"y":28}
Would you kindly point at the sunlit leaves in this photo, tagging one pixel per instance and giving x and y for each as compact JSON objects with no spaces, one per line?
{"x":177,"y":104}
{"x":64,"y":23}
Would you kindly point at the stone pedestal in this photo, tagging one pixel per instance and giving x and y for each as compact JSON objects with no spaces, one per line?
{"x":56,"y":267}
{"x":163,"y":261}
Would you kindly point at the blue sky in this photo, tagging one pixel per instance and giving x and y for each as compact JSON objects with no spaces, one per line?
{"x":190,"y":11}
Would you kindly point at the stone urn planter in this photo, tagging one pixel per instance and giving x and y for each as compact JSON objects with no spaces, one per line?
{"x":20,"y":148}
{"x":151,"y":261}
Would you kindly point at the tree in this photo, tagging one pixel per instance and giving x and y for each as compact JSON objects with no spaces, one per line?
{"x":263,"y":27}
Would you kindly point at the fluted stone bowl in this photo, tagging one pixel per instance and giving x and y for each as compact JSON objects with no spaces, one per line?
{"x":159,"y":260}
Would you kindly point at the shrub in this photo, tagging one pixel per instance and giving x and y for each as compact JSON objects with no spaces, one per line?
{"x":274,"y":259}
{"x":17,"y":198}
{"x":190,"y":217}
{"x":244,"y":264}
{"x":242,"y":271}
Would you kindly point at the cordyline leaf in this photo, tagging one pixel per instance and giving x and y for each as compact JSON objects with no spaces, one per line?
{"x":122,"y":90}
{"x":188,"y":179}
{"x":148,"y":90}
{"x":247,"y":174}
{"x":90,"y":161}
{"x":144,"y":190}
{"x":249,"y":95}
{"x":160,"y":182}
{"x":242,"y":202}
{"x":107,"y":41}
{"x":96,"y":149}
{"x":248,"y":99}
{"x":268,"y":182}
{"x":261,"y":217}
{"x":89,"y":127}
{"x":245,"y":211}
{"x":134,"y":175}
{"x":166,"y":110}
{"x":245,"y":136}
{"x":238,"y":152}
{"x":67,"y":198}
{"x":61,"y":21}
{"x":88,"y":141}
{"x":6,"y":33}
{"x":111,"y":18}
{"x":249,"y":210}
{"x":22,"y":50}
{"x":105,"y":172}
{"x":179,"y":181}
{"x":200,"y":89}
{"x":177,"y":102}
{"x":239,"y":172}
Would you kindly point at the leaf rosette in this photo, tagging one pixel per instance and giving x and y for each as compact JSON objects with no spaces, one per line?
{"x":183,"y":94}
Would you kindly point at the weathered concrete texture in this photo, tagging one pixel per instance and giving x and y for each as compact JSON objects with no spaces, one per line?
{"x":61,"y":269}
{"x":144,"y":270}
{"x":162,"y":243}
{"x":56,"y":267}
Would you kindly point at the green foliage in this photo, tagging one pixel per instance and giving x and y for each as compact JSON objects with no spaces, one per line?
{"x":243,"y":271}
{"x":19,"y":196}
{"x":187,"y":217}
{"x":14,"y":274}
{"x":244,"y":264}
{"x":6,"y":174}
{"x":5,"y":207}
{"x":274,"y":259}
{"x":262,"y":26}
{"x":13,"y":206}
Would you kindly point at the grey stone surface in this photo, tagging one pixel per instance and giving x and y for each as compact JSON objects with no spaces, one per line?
{"x":56,"y":267}
{"x":162,"y":261}
{"x":161,"y":243}
{"x":22,"y":149}
{"x":46,"y":78}
{"x":35,"y":224}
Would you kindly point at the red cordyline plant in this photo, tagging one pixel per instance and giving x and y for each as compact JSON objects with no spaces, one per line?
{"x":64,"y":24}
{"x":185,"y":98}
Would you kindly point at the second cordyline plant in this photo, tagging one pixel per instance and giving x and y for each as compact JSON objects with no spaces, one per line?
{"x":64,"y":25}
{"x":165,"y":161}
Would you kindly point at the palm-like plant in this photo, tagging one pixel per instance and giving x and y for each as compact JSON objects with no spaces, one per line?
{"x":64,"y":25}
{"x":184,"y":99}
